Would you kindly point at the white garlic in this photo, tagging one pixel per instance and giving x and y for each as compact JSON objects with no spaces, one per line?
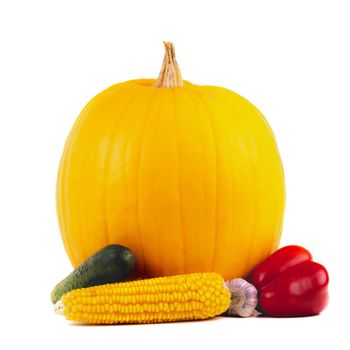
{"x":244,"y":298}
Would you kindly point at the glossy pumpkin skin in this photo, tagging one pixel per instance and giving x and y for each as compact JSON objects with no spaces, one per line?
{"x":189,"y":178}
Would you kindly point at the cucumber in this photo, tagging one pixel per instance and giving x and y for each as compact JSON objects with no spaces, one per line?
{"x":111,"y":264}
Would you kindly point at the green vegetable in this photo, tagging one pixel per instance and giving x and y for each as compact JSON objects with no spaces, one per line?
{"x":111,"y":264}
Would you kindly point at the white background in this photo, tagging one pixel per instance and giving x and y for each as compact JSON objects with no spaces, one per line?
{"x":290,"y":58}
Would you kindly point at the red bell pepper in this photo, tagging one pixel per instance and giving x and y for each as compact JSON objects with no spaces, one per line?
{"x":289,"y":283}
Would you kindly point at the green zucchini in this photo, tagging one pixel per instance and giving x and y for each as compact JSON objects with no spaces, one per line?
{"x":111,"y":264}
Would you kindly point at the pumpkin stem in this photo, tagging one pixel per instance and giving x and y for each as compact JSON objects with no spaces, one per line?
{"x":170,"y":75}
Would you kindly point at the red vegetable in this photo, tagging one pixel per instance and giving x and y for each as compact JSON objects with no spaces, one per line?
{"x":279,"y":262}
{"x":290,"y":284}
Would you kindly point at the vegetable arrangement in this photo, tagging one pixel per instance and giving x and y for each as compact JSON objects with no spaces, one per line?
{"x":181,"y":191}
{"x":288,"y":283}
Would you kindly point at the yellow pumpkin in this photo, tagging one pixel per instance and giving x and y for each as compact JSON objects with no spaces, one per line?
{"x":188,"y":177}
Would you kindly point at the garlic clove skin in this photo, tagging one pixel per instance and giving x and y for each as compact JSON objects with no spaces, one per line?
{"x":244,"y":298}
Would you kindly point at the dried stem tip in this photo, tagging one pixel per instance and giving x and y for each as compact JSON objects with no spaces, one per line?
{"x":170,"y":75}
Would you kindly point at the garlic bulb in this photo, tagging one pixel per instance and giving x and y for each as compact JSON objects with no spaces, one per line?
{"x":244,"y":298}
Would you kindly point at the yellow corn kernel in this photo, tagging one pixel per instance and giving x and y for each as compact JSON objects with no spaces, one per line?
{"x":164,"y":299}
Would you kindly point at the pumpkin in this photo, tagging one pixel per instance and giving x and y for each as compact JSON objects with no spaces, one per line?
{"x":188,"y":177}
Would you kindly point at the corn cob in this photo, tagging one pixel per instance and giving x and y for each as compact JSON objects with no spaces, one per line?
{"x":192,"y":296}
